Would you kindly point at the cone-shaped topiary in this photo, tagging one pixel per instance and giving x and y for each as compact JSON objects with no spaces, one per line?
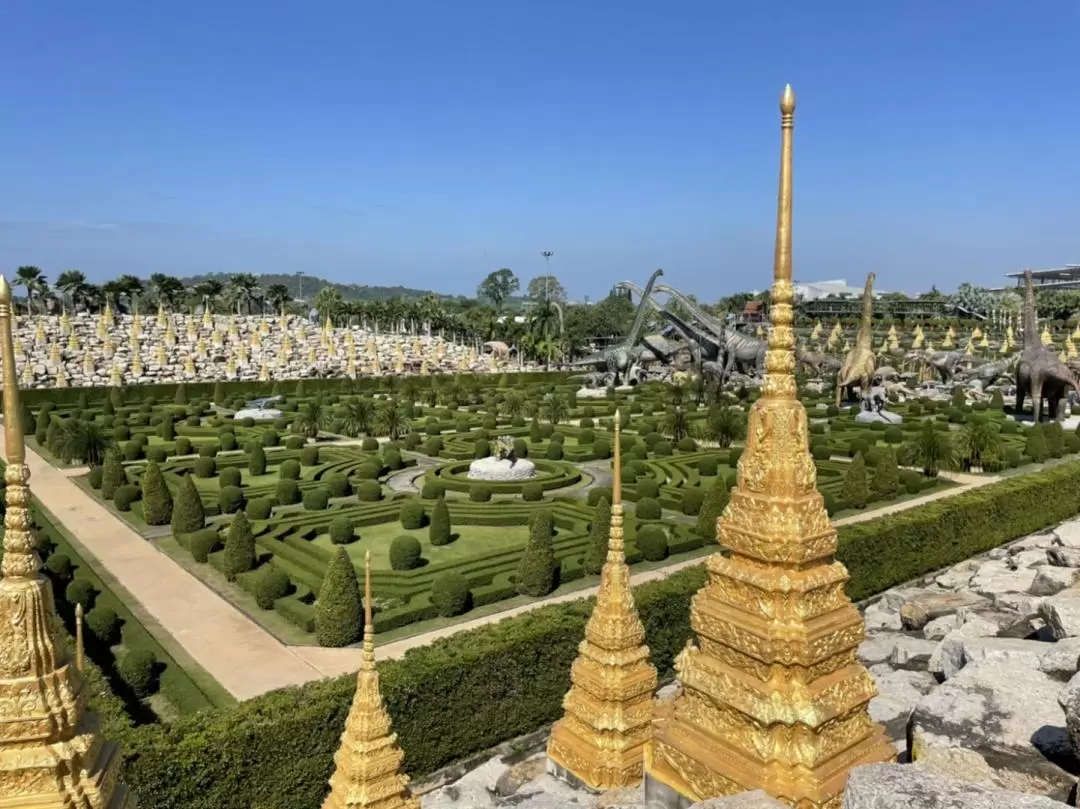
{"x":219,"y":393}
{"x":439,"y":530}
{"x":886,"y":480}
{"x":156,"y":499}
{"x":112,"y":473}
{"x":338,"y":608}
{"x":538,"y":568}
{"x":167,"y":430}
{"x":855,"y":490}
{"x":257,"y":461}
{"x":181,"y":394}
{"x":239,"y":547}
{"x":188,"y":514}
{"x":1036,"y":447}
{"x":598,"y":537}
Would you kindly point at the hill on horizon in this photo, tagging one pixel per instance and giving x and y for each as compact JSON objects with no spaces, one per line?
{"x":312,"y":284}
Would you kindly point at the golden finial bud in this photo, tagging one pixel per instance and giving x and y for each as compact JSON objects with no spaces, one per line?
{"x":787,"y":100}
{"x":5,"y":290}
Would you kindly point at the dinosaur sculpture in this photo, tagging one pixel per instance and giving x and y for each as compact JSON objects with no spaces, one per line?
{"x":703,"y":345}
{"x":946,"y":363}
{"x":989,"y":372}
{"x":617,"y":361}
{"x":859,"y":364}
{"x":1039,"y":372}
{"x":817,"y":361}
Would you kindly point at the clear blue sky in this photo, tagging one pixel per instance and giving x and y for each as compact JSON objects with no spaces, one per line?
{"x":427,"y":142}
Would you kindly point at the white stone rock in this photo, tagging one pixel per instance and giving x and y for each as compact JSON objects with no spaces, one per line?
{"x":744,"y":800}
{"x":879,"y":616}
{"x":948,"y":656}
{"x":1004,"y":650}
{"x":1063,"y":557}
{"x":940,"y":627}
{"x":1033,"y":541}
{"x":501,"y":469}
{"x":1061,"y":659}
{"x":877,"y":647}
{"x":1068,"y":534}
{"x":1062,"y":614}
{"x":996,"y":576}
{"x":1028,"y":558}
{"x":898,"y":786}
{"x":1022,"y":603}
{"x":1051,"y":580}
{"x":911,"y":652}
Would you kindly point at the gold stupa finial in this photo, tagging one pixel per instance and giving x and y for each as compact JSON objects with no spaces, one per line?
{"x":608,"y":710}
{"x":773,"y":696}
{"x":367,"y":765}
{"x":51,"y":753}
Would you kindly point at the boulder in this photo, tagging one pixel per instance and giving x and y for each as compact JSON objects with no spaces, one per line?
{"x":940,"y":627}
{"x":1069,"y":700}
{"x":958,"y":576}
{"x":1019,"y":602}
{"x":1063,"y":557}
{"x":922,"y":606}
{"x":880,"y":616}
{"x":1028,"y":558}
{"x":1068,"y":534}
{"x":1051,"y":580}
{"x":877,"y":647}
{"x":998,"y":576}
{"x":948,"y":656}
{"x":1005,"y":650}
{"x":912,"y":653}
{"x":898,"y":691}
{"x":1033,"y":541}
{"x":1006,"y":712}
{"x":1062,"y":659}
{"x":899,"y":786}
{"x":1062,"y":613}
{"x":744,"y":800}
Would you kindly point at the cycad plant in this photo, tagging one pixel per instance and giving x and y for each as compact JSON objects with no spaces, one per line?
{"x":933,"y":450}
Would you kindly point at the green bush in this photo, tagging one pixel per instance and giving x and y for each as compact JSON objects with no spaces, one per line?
{"x":601,"y":448}
{"x":205,"y":467}
{"x":289,"y":470}
{"x":391,"y":458}
{"x":133,"y":450}
{"x":405,"y":552}
{"x":733,"y":456}
{"x":598,"y":493}
{"x":229,"y":476}
{"x":156,"y":454}
{"x":538,"y":570}
{"x":203,"y":543}
{"x":59,"y":565}
{"x":554,"y":451}
{"x":855,"y":490}
{"x":270,"y":585}
{"x":599,"y":532}
{"x":316,"y":499}
{"x":647,"y":487}
{"x":1036,"y":447}
{"x":480,"y":493}
{"x":662,"y":449}
{"x":138,"y":669}
{"x":96,"y":475}
{"x":534,"y":492}
{"x":295,"y":442}
{"x":648,"y":508}
{"x":886,"y":479}
{"x":104,"y":624}
{"x":80,"y":591}
{"x":412,"y":514}
{"x":124,"y":496}
{"x":338,"y":609}
{"x":652,"y":541}
{"x":370,"y":444}
{"x":257,"y":461}
{"x":692,"y":500}
{"x":894,"y":435}
{"x":230,"y":499}
{"x":337,"y":484}
{"x":368,"y":491}
{"x":439,"y":531}
{"x":707,"y":466}
{"x":432,"y":489}
{"x":271,"y":438}
{"x":259,"y":509}
{"x":309,"y":455}
{"x":286,"y":492}
{"x":368,"y":471}
{"x":188,"y":513}
{"x":239,"y":548}
{"x":450,"y":594}
{"x":208,"y":450}
{"x":341,"y":531}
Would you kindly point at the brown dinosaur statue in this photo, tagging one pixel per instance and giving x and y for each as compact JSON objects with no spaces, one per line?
{"x":859,"y":364}
{"x":1040,"y":373}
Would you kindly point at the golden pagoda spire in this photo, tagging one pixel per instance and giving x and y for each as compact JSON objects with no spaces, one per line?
{"x":772,"y":694}
{"x":601,"y":737}
{"x":368,"y":763}
{"x":51,"y":752}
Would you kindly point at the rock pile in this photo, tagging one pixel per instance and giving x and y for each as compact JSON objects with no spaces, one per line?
{"x":96,"y":350}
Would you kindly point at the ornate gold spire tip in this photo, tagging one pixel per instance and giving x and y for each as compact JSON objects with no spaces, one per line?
{"x":5,"y":290}
{"x":787,"y":100}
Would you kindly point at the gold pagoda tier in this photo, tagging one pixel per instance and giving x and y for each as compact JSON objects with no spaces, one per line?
{"x":367,"y":766}
{"x":600,"y":740}
{"x":772,"y":696}
{"x":52,"y":754}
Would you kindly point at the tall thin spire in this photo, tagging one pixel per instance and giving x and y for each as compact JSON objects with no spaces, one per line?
{"x":772,"y":694}
{"x":367,"y":770}
{"x":51,"y":752}
{"x":608,"y":710}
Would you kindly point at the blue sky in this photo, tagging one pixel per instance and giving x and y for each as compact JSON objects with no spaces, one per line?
{"x":427,"y":142}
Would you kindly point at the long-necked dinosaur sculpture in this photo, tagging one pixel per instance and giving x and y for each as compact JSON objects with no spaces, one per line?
{"x":1039,"y":373}
{"x":859,"y":364}
{"x":702,"y":344}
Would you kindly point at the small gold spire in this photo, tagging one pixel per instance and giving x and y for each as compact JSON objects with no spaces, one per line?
{"x":601,"y":737}
{"x":367,"y":771}
{"x":80,"y":650}
{"x":51,"y":751}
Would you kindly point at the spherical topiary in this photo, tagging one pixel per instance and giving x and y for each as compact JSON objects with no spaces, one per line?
{"x":271,"y":438}
{"x":59,"y":565}
{"x":286,"y":492}
{"x":480,"y":493}
{"x":648,"y":508}
{"x":432,"y":489}
{"x":156,"y":454}
{"x":338,"y":609}
{"x":228,"y":442}
{"x":598,"y":493}
{"x":601,"y":448}
{"x":708,"y":465}
{"x":229,"y":476}
{"x":433,"y":446}
{"x":821,"y":452}
{"x":450,"y":594}
{"x":295,"y":442}
{"x":341,"y":531}
{"x":309,"y":455}
{"x":647,"y":487}
{"x":203,"y":543}
{"x":405,"y":552}
{"x":124,"y":496}
{"x":412,"y":514}
{"x":481,"y":448}
{"x":554,"y":451}
{"x":662,"y":449}
{"x":391,"y":457}
{"x":94,"y":477}
{"x":133,"y":450}
{"x":121,"y":433}
{"x":137,"y":668}
{"x":270,"y":585}
{"x":289,"y":470}
{"x":104,"y":624}
{"x":208,"y":450}
{"x":368,"y":471}
{"x":188,"y":513}
{"x":586,"y":436}
{"x":337,"y":484}
{"x":183,"y":445}
{"x":652,"y":541}
{"x":230,"y":499}
{"x":257,"y":461}
{"x":205,"y":467}
{"x":80,"y":591}
{"x":691,"y":501}
{"x":687,"y":444}
{"x":316,"y":499}
{"x":532,"y":492}
{"x":370,"y":444}
{"x":259,"y":508}
{"x":368,"y":491}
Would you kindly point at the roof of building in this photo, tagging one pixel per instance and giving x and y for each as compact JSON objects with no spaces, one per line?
{"x":1070,"y":272}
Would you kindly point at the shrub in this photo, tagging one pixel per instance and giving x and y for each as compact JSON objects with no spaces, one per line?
{"x":208,"y":450}
{"x":133,"y":451}
{"x":648,"y":487}
{"x":368,"y":471}
{"x":412,"y":514}
{"x":480,"y":493}
{"x":59,"y":565}
{"x":481,"y":448}
{"x":338,"y":609}
{"x":270,"y":585}
{"x":95,"y":476}
{"x":894,"y":435}
{"x":391,"y":457}
{"x":309,"y":455}
{"x":521,"y":449}
{"x":289,"y":470}
{"x":257,"y":461}
{"x":1055,"y":439}
{"x":432,"y":489}
{"x":156,"y":454}
{"x":239,"y":548}
{"x":886,"y":480}
{"x":599,"y":531}
{"x":137,"y":668}
{"x":687,"y":444}
{"x":316,"y":499}
{"x":439,"y":531}
{"x":188,"y":513}
{"x":538,"y":570}
{"x":433,"y":446}
{"x":337,"y":484}
{"x":259,"y":509}
{"x":205,"y":467}
{"x":450,"y":594}
{"x":230,"y":499}
{"x":855,"y":490}
{"x":733,"y":456}
{"x":692,"y":500}
{"x":1036,"y":447}
{"x":652,"y":542}
{"x":370,"y":444}
{"x":554,"y":451}
{"x":997,"y":401}
{"x":586,"y":436}
{"x":286,"y":492}
{"x":599,"y":493}
{"x":104,"y":624}
{"x":404,"y":552}
{"x":271,"y":438}
{"x":183,"y":445}
{"x":80,"y":591}
{"x":341,"y":531}
{"x":601,"y":448}
{"x":533,"y":492}
{"x":124,"y":496}
{"x":229,"y":476}
{"x":708,"y":466}
{"x":120,"y":433}
{"x":167,"y":430}
{"x":296,"y":442}
{"x":662,"y":449}
{"x":368,"y":491}
{"x":203,"y":543}
{"x":648,"y":508}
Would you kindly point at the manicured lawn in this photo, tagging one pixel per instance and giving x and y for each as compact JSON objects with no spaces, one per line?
{"x":470,"y":540}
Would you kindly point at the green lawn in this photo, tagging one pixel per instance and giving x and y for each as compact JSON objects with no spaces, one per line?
{"x":470,"y":540}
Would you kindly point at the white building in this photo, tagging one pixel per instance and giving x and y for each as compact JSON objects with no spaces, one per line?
{"x":816,"y":290}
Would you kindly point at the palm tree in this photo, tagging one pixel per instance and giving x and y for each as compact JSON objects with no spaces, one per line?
{"x":73,"y":285}
{"x":555,"y":406}
{"x":310,"y":419}
{"x":243,"y":288}
{"x":277,"y":295}
{"x":32,"y":279}
{"x":168,"y":289}
{"x":514,"y":404}
{"x":933,"y":450}
{"x":392,"y":419}
{"x":356,"y":416}
{"x":209,"y":291}
{"x":723,"y":424}
{"x":979,"y":441}
{"x":329,"y":302}
{"x":84,"y":441}
{"x":677,"y":424}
